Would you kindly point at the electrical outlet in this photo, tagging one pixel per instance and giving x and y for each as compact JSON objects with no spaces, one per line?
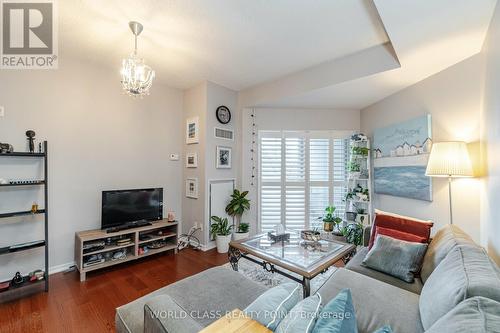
{"x":2,"y":111}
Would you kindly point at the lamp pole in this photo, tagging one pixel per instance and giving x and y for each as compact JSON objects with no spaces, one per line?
{"x":449,"y":195}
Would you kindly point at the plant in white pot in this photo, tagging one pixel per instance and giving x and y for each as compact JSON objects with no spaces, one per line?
{"x":221,"y":230}
{"x":236,"y":207}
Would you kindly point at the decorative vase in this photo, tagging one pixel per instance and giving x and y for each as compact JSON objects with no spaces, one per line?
{"x":240,"y":235}
{"x":222,"y":243}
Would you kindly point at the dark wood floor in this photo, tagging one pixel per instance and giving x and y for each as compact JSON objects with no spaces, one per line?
{"x":72,"y":306}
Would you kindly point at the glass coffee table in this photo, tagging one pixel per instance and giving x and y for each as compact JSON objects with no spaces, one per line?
{"x":296,"y":255}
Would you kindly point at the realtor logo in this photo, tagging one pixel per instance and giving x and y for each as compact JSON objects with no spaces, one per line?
{"x":29,"y":34}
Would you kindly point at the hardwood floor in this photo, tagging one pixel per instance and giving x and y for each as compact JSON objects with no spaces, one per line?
{"x":71,"y":306}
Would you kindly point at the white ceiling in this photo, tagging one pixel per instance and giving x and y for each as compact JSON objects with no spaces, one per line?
{"x":427,"y":36}
{"x":235,"y":43}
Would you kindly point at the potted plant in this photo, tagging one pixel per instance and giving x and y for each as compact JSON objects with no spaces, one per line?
{"x":235,"y":208}
{"x":359,"y":151}
{"x":354,"y":169}
{"x":353,"y":233}
{"x":221,"y":230}
{"x":242,"y":232}
{"x":330,"y":221}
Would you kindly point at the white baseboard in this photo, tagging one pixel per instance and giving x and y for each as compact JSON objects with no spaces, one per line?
{"x":60,"y":268}
{"x":210,"y":246}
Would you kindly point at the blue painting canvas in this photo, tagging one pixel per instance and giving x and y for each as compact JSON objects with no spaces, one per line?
{"x":400,"y":155}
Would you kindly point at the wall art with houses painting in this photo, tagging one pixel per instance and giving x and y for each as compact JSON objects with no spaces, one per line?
{"x":400,"y":153}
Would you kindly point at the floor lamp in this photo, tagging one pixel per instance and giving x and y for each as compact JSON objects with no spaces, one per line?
{"x":449,"y":159}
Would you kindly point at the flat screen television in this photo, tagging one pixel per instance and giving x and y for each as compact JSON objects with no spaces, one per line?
{"x":122,"y":207}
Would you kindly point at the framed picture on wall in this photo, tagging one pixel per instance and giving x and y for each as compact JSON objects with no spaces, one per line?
{"x":192,"y":130}
{"x":223,"y":158}
{"x":191,"y":160}
{"x":192,"y":188}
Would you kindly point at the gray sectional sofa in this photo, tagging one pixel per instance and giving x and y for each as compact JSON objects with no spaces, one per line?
{"x":458,"y":291}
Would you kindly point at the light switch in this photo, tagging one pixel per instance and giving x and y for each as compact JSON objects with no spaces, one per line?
{"x":174,"y":157}
{"x":2,"y":111}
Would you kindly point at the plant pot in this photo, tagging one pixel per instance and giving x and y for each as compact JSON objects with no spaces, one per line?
{"x":350,"y":216}
{"x":328,"y":226}
{"x":222,"y":243}
{"x":240,"y":235}
{"x":362,"y":218}
{"x":354,"y":174}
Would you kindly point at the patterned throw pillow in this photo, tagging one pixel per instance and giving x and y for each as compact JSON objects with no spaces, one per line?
{"x":302,"y":317}
{"x":273,"y":305}
{"x":395,"y":257}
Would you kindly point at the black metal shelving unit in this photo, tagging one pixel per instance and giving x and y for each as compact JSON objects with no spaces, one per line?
{"x":30,"y":287}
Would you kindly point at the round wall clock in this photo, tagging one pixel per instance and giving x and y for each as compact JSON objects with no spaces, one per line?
{"x":223,"y":114}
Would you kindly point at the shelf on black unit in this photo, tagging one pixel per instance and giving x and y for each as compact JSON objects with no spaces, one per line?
{"x":23,"y":213}
{"x":25,"y":289}
{"x":22,"y":154}
{"x":27,"y":246}
{"x":39,"y":182}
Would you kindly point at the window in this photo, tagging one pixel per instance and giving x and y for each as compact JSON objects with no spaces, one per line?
{"x":300,"y":174}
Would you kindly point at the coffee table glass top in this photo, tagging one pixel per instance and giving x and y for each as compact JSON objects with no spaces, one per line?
{"x":295,"y":251}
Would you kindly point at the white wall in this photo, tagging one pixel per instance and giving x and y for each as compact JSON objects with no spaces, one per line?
{"x":285,"y":119}
{"x":453,"y":98}
{"x":98,"y":139}
{"x":490,"y":195}
{"x":195,"y":104}
{"x":218,"y":95}
{"x":202,"y":101}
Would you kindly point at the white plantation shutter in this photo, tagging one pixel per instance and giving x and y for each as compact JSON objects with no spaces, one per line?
{"x":319,"y":159}
{"x":319,"y":199}
{"x":270,"y":207}
{"x":300,"y":174}
{"x":270,"y":150}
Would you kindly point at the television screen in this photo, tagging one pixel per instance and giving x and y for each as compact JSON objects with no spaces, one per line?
{"x":125,"y":206}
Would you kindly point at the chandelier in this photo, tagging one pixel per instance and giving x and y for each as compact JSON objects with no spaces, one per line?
{"x":137,"y":77}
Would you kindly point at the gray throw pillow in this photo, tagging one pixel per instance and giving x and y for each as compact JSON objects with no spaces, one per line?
{"x":396,"y":257}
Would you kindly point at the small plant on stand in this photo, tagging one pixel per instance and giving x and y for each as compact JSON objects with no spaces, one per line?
{"x":221,"y":230}
{"x":354,"y":169}
{"x":330,"y":221}
{"x":236,"y":207}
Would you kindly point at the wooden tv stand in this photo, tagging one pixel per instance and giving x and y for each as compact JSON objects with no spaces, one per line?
{"x":135,"y":248}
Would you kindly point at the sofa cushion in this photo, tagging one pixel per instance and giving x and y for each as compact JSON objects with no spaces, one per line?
{"x":302,"y":317}
{"x":355,"y":265}
{"x":338,"y":315}
{"x":273,"y":305}
{"x":395,"y":257}
{"x":476,"y":314}
{"x":163,"y":315}
{"x":465,"y":272}
{"x":442,"y":243}
{"x":402,"y":223}
{"x":376,"y":303}
{"x":215,"y":289}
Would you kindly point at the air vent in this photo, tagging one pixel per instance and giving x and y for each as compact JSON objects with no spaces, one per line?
{"x":221,"y":133}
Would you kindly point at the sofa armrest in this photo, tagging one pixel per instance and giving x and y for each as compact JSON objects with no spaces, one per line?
{"x":163,"y":315}
{"x":367,"y":230}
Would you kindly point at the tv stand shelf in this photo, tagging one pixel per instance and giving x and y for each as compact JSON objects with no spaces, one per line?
{"x":170,"y":235}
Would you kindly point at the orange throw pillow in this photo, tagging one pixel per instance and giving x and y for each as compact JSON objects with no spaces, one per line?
{"x":400,"y":223}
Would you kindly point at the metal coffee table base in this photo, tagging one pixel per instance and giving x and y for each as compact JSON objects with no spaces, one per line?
{"x":235,"y":255}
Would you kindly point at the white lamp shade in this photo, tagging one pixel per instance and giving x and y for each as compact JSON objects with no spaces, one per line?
{"x":449,"y":159}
